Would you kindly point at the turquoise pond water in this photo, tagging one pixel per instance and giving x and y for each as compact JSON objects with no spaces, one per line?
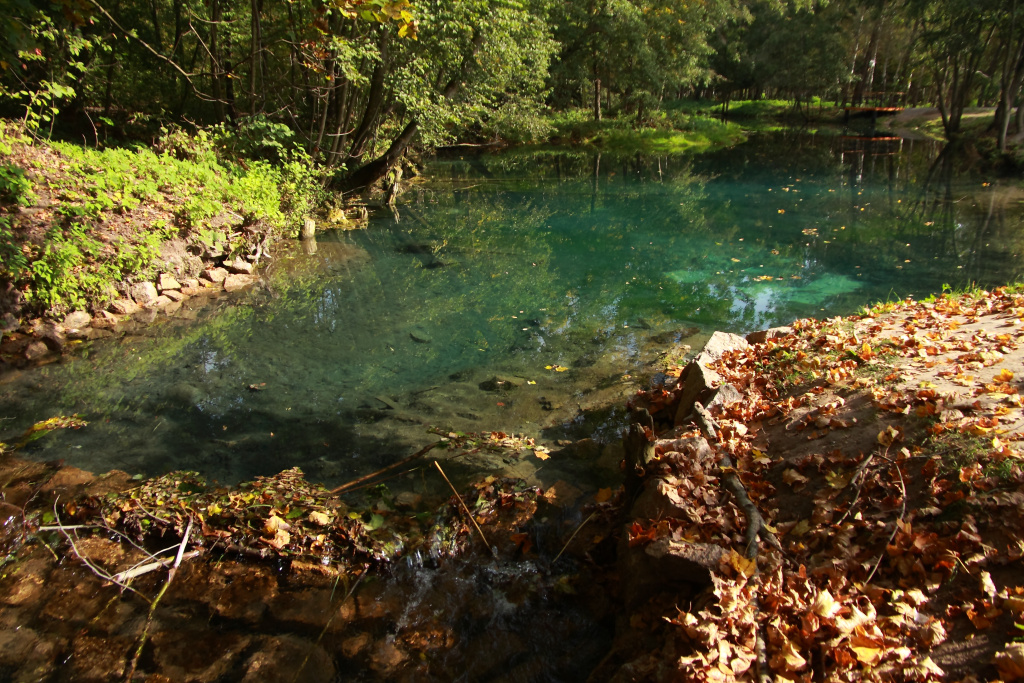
{"x":498,"y":266}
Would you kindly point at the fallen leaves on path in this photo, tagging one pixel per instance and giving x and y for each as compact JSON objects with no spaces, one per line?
{"x":885,"y":451}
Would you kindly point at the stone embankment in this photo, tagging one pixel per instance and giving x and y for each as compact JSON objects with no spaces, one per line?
{"x":40,"y":340}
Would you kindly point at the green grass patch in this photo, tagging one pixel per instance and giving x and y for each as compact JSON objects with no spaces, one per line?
{"x":110,"y":210}
{"x":663,"y":132}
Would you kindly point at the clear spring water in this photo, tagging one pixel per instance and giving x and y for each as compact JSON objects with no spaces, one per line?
{"x":499,"y":266}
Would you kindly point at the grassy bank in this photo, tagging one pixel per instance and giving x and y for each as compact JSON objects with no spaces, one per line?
{"x":661,"y":132}
{"x":78,"y":224}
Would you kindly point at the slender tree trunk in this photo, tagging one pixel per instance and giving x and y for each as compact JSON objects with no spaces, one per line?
{"x":215,"y":72}
{"x":375,"y":99}
{"x":158,"y":42}
{"x":597,"y":98}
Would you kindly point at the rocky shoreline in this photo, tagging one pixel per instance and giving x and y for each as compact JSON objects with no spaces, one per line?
{"x":41,"y":340}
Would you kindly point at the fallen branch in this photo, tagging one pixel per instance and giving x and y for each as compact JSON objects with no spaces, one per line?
{"x":756,"y":526}
{"x":152,"y":605}
{"x":355,"y":482}
{"x":465,"y":507}
{"x":142,"y":570}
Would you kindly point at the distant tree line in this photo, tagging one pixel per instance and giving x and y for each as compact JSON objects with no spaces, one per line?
{"x":355,"y":82}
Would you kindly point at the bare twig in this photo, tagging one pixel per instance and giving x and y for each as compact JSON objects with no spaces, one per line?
{"x":355,"y":482}
{"x":152,"y":605}
{"x":857,"y":480}
{"x":87,"y":562}
{"x":582,"y":524}
{"x":464,"y":507}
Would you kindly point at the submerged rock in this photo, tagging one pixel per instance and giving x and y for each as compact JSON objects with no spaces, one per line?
{"x":234,"y":283}
{"x":497,"y":384}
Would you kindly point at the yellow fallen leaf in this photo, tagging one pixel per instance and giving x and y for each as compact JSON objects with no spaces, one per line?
{"x":825,"y":605}
{"x":319,"y":518}
{"x":1003,"y":375}
{"x":735,"y":260}
{"x":541,"y":453}
{"x":603,"y":495}
{"x":867,"y":654}
{"x":742,"y":565}
{"x":275,"y":524}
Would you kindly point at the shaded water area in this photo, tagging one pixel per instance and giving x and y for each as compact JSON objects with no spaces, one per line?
{"x":528,"y":292}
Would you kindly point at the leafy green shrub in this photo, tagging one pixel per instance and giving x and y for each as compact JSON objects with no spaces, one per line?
{"x":15,"y":188}
{"x":13,"y":262}
{"x":255,"y":137}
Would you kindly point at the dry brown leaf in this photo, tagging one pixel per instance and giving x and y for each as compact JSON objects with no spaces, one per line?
{"x":825,"y":605}
{"x":787,"y":659}
{"x":1010,"y":662}
{"x":792,"y":477}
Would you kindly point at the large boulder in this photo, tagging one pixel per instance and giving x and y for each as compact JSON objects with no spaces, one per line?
{"x":239,"y":266}
{"x":698,"y":380}
{"x":215,"y":275}
{"x":168,"y":282}
{"x":76,"y":320}
{"x":143,"y":293}
{"x":666,"y":565}
{"x":721,"y":343}
{"x":233,"y":283}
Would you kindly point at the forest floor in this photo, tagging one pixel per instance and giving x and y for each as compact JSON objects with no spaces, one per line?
{"x":884,"y":452}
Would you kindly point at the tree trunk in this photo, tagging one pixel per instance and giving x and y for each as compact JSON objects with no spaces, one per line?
{"x":597,"y":99}
{"x":375,"y":99}
{"x":375,"y":170}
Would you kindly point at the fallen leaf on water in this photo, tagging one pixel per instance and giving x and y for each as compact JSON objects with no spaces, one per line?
{"x":603,"y":495}
{"x":541,"y":452}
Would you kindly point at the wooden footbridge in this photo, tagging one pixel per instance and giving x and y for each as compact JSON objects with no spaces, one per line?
{"x":874,"y":104}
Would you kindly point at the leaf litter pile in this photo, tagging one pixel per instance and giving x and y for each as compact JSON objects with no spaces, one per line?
{"x":881,"y":459}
